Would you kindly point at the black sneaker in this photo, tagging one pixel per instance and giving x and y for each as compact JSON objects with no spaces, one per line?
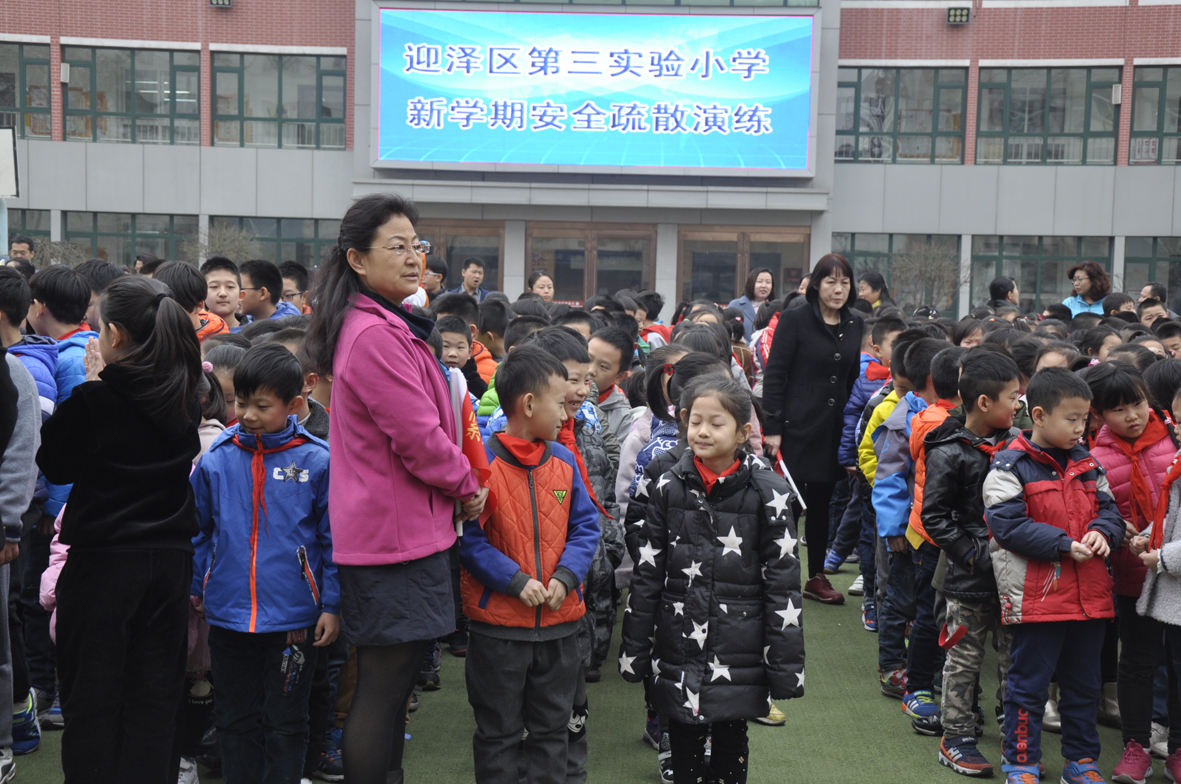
{"x":432,"y":681}
{"x":593,"y":676}
{"x":413,"y":702}
{"x":928,"y":725}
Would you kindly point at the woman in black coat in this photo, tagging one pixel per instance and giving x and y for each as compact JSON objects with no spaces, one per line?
{"x":813,"y":362}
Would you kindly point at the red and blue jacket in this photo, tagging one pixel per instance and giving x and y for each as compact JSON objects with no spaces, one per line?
{"x":1035,"y":509}
{"x":263,"y":559}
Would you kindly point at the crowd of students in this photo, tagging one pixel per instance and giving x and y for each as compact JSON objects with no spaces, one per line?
{"x":173,"y":593}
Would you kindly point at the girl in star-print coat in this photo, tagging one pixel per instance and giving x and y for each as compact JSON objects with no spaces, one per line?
{"x":714,"y":612}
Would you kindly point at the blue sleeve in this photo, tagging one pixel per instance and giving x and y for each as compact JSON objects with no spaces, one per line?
{"x":70,"y":373}
{"x":847,"y":452}
{"x":1007,"y":516}
{"x":203,"y":541}
{"x":582,"y":531}
{"x":891,"y":491}
{"x":329,"y":583}
{"x":1108,"y":522}
{"x":490,"y":566}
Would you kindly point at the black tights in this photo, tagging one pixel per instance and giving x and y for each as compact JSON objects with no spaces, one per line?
{"x":817,"y":496}
{"x":375,"y":731}
{"x":728,"y":760}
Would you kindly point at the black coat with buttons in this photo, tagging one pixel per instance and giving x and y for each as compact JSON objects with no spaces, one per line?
{"x":810,"y":372}
{"x":714,"y":611}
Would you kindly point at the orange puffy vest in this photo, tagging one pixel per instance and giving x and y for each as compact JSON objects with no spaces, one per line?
{"x":529,"y":525}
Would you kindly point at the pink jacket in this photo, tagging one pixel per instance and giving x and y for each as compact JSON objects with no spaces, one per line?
{"x":57,"y":559}
{"x":1128,"y":570}
{"x":396,"y":465}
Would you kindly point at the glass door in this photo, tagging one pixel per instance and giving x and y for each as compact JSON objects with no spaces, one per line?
{"x":455,"y":242}
{"x":714,"y":262}
{"x":561,"y":254}
{"x":587,"y":259}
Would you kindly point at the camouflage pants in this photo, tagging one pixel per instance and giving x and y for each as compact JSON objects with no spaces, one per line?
{"x":600,"y":605}
{"x":961,"y":671}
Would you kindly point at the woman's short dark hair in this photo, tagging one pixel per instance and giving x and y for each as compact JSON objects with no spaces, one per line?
{"x":749,"y":289}
{"x":1100,"y":283}
{"x":337,"y":284}
{"x":832,"y":265}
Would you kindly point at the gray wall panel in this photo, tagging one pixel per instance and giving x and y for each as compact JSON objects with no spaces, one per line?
{"x":284,"y":182}
{"x":857,"y":194}
{"x":115,"y":178}
{"x":332,"y":193}
{"x":1023,"y":199}
{"x":229,"y":181}
{"x":968,"y":199}
{"x":57,"y":175}
{"x":1083,"y":197}
{"x":912,"y":199}
{"x":1143,"y":199}
{"x":172,"y":179}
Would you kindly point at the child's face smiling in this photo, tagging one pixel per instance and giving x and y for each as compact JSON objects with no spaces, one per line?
{"x":605,"y":363}
{"x":713,"y":433}
{"x":577,"y":385}
{"x":264,"y":411}
{"x":547,"y":411}
{"x":457,"y":349}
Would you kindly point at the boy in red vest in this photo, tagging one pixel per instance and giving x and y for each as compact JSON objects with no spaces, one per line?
{"x":524,"y":562}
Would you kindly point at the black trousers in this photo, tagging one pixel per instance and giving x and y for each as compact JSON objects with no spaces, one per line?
{"x":16,"y":632}
{"x":1141,"y":654}
{"x":817,"y":495}
{"x":122,"y":639}
{"x":729,"y":757}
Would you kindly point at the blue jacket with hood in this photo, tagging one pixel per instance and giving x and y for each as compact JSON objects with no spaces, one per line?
{"x":893,"y":487}
{"x":39,"y":356}
{"x":263,"y":559}
{"x":70,"y":372}
{"x":863,"y":390}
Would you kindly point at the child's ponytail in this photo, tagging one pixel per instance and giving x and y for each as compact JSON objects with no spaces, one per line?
{"x":164,"y":354}
{"x":693,"y":365}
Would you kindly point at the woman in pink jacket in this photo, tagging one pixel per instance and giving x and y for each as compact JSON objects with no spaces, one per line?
{"x":1135,"y":448}
{"x":397,"y":472}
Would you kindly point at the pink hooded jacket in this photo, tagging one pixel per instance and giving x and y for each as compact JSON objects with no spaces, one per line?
{"x":396,"y":465}
{"x":1127,"y":570}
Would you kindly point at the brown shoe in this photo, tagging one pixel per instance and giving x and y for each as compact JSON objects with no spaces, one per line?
{"x":820,"y":589}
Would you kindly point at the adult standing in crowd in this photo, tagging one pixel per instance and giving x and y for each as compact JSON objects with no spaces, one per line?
{"x":541,"y":284}
{"x":1091,"y":285}
{"x":813,"y":363}
{"x":872,"y":288}
{"x":760,"y":287}
{"x":473,"y":276}
{"x":397,"y":470}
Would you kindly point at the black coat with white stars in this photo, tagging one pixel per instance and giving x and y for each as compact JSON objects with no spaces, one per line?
{"x":714,"y":611}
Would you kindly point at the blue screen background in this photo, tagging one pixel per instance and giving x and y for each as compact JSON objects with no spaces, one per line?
{"x":784,"y":89}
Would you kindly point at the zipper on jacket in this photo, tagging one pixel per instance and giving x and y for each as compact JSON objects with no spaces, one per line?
{"x":307,"y":575}
{"x":536,"y":537}
{"x":209,"y":571}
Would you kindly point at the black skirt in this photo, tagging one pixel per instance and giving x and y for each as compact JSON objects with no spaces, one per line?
{"x":396,"y":603}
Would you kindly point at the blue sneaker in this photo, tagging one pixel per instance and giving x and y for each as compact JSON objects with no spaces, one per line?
{"x":1085,"y":771}
{"x":869,"y":618}
{"x":53,"y":719}
{"x":1021,"y":774}
{"x":926,"y":718}
{"x":832,"y":563}
{"x":330,"y":766}
{"x":26,"y":730}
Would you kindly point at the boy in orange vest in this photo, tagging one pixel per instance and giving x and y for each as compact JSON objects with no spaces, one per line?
{"x":524,"y":562}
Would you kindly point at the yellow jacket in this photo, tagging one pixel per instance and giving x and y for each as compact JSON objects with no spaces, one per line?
{"x":865,"y":454}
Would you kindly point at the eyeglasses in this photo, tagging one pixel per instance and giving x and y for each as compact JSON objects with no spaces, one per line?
{"x":422,"y":246}
{"x":290,"y":295}
{"x":1079,"y":279}
{"x":252,"y":288}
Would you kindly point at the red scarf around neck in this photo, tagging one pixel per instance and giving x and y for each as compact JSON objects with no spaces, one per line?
{"x":1162,"y":504}
{"x":1140,"y":497}
{"x":708,"y":477}
{"x":566,"y":438}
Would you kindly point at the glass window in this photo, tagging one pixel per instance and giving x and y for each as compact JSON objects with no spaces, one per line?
{"x":119,"y":237}
{"x":1038,"y":264}
{"x":268,"y":100}
{"x":585,"y":260}
{"x":1153,"y":260}
{"x":1156,"y":116}
{"x":708,"y":267}
{"x":1047,"y":115}
{"x":715,"y":262}
{"x":900,"y":115}
{"x":920,"y":269}
{"x":142,"y":96}
{"x":303,"y":240}
{"x":24,"y":89}
{"x":564,"y":260}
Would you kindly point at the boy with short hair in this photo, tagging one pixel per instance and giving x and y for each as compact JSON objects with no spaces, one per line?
{"x":189,"y":289}
{"x":494,"y":319}
{"x":910,"y":596}
{"x":1053,"y":522}
{"x":611,"y":351}
{"x":225,"y":289}
{"x":524,"y":561}
{"x":1150,"y":311}
{"x":1169,"y":333}
{"x":99,"y":274}
{"x":312,"y":415}
{"x":518,"y":330}
{"x":262,"y":293}
{"x":455,"y":347}
{"x":482,"y":366}
{"x":958,"y":454}
{"x":262,"y":571}
{"x":296,"y":280}
{"x":945,"y":380}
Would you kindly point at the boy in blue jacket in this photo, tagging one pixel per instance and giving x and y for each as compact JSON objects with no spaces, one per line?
{"x":263,"y":572}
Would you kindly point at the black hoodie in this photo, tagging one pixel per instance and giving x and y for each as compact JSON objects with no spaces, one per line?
{"x":130,"y":473}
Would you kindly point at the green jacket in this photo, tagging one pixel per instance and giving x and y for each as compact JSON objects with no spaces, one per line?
{"x":490,"y":401}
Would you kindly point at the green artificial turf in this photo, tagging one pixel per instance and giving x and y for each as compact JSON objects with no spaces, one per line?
{"x":843,"y":730}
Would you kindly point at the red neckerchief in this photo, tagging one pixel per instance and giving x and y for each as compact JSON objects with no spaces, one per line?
{"x":708,"y":477}
{"x":607,"y":394}
{"x":990,"y":449}
{"x":73,"y":332}
{"x":1140,"y":497}
{"x":566,"y":439}
{"x":528,"y":453}
{"x":877,"y":371}
{"x":1162,"y":504}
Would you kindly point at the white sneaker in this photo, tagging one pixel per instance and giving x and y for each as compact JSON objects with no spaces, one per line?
{"x":7,"y":766}
{"x":188,"y":771}
{"x":1159,"y":744}
{"x":858,"y":587}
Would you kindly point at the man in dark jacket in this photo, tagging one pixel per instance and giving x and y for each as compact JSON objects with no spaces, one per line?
{"x":959,"y":452}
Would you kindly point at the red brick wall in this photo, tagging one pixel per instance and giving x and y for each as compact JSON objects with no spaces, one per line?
{"x":259,"y":22}
{"x":1016,"y":34}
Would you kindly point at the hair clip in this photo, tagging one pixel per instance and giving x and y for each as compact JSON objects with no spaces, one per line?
{"x":207,"y":367}
{"x":669,"y":369}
